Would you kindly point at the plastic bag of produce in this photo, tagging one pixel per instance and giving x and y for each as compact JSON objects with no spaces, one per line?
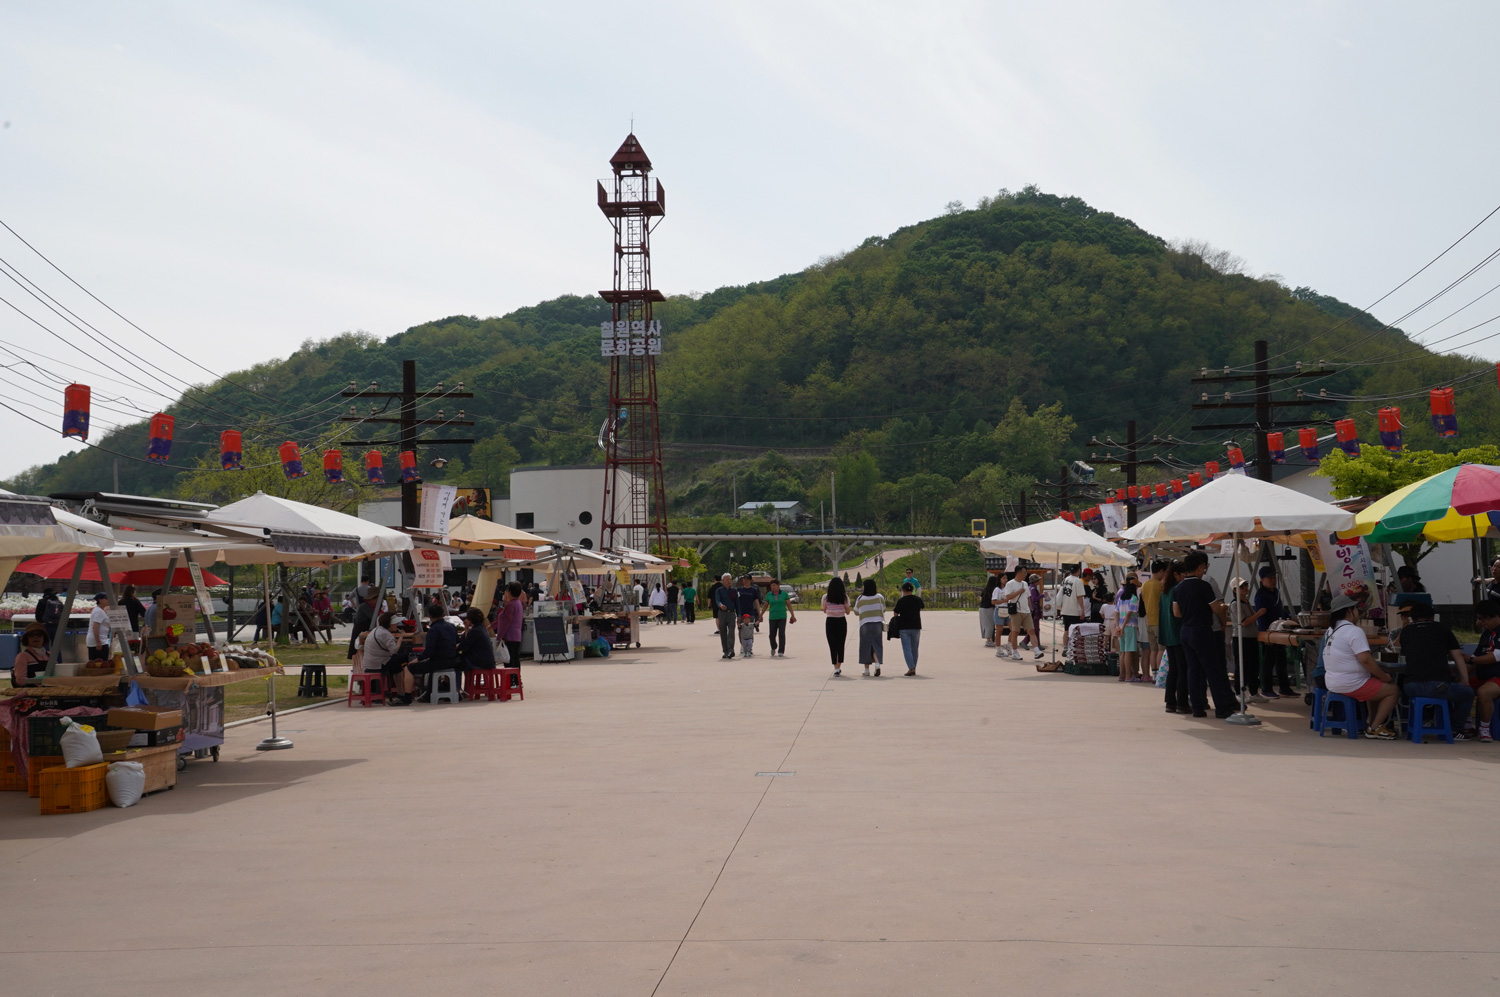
{"x":79,"y":745}
{"x":125,"y":781}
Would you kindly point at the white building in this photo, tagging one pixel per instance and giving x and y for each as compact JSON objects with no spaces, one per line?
{"x":563,"y":503}
{"x":780,"y":512}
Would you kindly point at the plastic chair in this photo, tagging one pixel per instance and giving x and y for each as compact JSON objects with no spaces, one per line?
{"x":313,"y":681}
{"x":510,"y":683}
{"x":1315,"y":721}
{"x":485,"y":683}
{"x":1347,"y":721}
{"x":1416,"y":723}
{"x":372,"y":686}
{"x":438,"y":696}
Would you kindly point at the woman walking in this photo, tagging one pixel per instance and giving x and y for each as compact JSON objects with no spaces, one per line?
{"x":779,"y":608}
{"x":908,"y":613}
{"x":836,"y":621}
{"x":1127,"y":611}
{"x":870,"y":608}
{"x":659,"y":603}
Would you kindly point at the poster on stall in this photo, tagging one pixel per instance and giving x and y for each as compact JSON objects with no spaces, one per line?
{"x":205,"y":602}
{"x":1348,"y":565}
{"x":1112,"y":514}
{"x":177,"y":619}
{"x":427,"y":569}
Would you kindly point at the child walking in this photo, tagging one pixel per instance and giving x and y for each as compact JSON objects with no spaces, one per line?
{"x":747,"y":636}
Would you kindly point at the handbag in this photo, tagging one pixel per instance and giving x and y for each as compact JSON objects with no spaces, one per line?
{"x":502,"y":652}
{"x":893,"y":629}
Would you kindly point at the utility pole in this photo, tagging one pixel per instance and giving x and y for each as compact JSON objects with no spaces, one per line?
{"x":833,"y":500}
{"x":407,"y":425}
{"x":1262,"y":404}
{"x":1023,"y":507}
{"x":1133,"y":460}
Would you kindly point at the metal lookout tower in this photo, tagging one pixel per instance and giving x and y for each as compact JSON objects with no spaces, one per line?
{"x":635,"y":507}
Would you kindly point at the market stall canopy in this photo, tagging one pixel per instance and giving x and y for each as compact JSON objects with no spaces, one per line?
{"x":471,"y":531}
{"x":1056,"y":540}
{"x":294,"y":527}
{"x":1456,"y":504}
{"x":30,"y":525}
{"x":62,"y":566}
{"x":1242,"y":505}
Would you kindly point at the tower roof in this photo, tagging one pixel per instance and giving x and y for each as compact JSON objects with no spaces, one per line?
{"x":630,"y":156}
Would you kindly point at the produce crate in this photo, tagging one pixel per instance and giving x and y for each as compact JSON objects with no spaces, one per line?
{"x":74,"y":791}
{"x":160,"y":765}
{"x":45,"y":733}
{"x":34,"y":768}
{"x":12,"y":779}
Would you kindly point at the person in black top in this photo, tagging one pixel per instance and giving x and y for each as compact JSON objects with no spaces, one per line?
{"x":1268,"y":609}
{"x":987,"y":607}
{"x":672,"y":593}
{"x":134,"y":608}
{"x":1486,"y":663}
{"x":1428,"y":647}
{"x":908,"y":623}
{"x":1194,"y":604}
{"x":439,"y":651}
{"x":476,"y":646}
{"x":49,"y":612}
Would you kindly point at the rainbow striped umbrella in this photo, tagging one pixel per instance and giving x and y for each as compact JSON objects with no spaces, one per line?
{"x":1456,"y":504}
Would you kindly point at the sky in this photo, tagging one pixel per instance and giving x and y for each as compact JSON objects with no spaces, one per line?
{"x":238,"y":178}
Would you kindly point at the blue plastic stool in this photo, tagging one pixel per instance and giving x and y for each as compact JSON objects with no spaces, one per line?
{"x":1417,"y":724}
{"x":1315,"y":720}
{"x":1348,"y":722}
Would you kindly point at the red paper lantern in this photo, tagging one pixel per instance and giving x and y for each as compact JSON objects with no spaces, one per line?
{"x":1195,"y":480}
{"x":1236,"y":459}
{"x":374,"y":467}
{"x":1065,"y":514}
{"x":1276,"y":444}
{"x":1307,"y":439}
{"x":291,"y":460}
{"x":1211,"y":469}
{"x":1390,"y":428}
{"x":1346,"y":435}
{"x":1176,"y":486}
{"x":409,"y":473}
{"x":160,"y":447}
{"x":1161,"y":493}
{"x":76,"y":411}
{"x":1133,"y":494}
{"x":231,"y":450}
{"x":1444,"y":420}
{"x":333,"y":466}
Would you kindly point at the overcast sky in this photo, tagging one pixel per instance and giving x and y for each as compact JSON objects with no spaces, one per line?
{"x":240,"y":177}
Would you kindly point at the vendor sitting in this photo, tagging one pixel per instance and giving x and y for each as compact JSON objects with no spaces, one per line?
{"x":440,"y":651}
{"x":1350,"y":669}
{"x":1486,"y":680}
{"x":1429,"y":646}
{"x":32,"y":661}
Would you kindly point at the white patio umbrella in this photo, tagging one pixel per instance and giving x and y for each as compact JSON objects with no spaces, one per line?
{"x":1056,"y":541}
{"x":282,"y":514}
{"x":1239,"y":506}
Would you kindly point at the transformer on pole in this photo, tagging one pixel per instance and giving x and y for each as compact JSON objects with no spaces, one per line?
{"x":635,"y":508}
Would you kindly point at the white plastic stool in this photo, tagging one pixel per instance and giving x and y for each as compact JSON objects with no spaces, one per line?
{"x":451,"y":696}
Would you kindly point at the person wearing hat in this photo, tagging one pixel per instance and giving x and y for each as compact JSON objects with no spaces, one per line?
{"x":32,"y":660}
{"x":1428,"y":647}
{"x":1349,"y":668}
{"x":1269,"y":609}
{"x":99,"y":629}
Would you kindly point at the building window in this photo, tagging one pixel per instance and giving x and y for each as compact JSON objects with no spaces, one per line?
{"x":586,"y":543}
{"x":585,"y":518}
{"x":525,"y":520}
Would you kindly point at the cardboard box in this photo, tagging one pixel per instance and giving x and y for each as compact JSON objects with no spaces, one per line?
{"x":145,"y":717}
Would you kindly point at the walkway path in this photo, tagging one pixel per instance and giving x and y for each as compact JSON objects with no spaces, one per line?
{"x":983,"y":829}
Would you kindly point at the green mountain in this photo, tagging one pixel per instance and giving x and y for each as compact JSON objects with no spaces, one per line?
{"x":940,"y":368}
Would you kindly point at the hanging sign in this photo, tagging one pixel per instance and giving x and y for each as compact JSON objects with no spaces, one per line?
{"x":624,"y":338}
{"x":427,"y":568}
{"x":119,"y":623}
{"x":1314,"y":552}
{"x":205,"y":603}
{"x":1113,"y":516}
{"x":1348,"y":565}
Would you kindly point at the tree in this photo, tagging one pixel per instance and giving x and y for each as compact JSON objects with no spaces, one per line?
{"x":1377,"y":472}
{"x":490,"y":464}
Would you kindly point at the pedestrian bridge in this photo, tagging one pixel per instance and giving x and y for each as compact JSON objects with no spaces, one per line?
{"x":834,"y":544}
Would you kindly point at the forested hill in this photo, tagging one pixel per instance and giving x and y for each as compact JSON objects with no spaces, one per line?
{"x":962,"y":355}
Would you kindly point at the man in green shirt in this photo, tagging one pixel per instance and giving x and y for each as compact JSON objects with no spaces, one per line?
{"x":689,"y":602}
{"x":911,"y":580}
{"x":779,"y":608}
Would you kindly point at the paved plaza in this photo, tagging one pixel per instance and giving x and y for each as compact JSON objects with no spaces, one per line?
{"x":981,"y":829}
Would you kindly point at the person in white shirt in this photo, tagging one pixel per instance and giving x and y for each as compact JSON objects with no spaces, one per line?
{"x":659,"y":602}
{"x":99,"y":629}
{"x":1071,"y":599}
{"x":1351,"y":670}
{"x":1014,"y":600}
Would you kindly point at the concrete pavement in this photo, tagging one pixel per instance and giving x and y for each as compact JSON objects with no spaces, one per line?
{"x":981,"y":829}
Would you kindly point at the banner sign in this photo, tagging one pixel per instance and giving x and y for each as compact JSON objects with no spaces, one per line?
{"x":1348,"y":565}
{"x":625,"y":339}
{"x":427,"y":567}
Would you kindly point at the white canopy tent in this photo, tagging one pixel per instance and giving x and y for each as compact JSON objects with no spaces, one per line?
{"x":286,"y":515}
{"x":1239,"y":506}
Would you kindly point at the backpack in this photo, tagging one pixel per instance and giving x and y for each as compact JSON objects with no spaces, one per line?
{"x":51,"y":613}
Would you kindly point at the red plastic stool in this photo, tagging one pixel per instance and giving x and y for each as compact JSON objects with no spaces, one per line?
{"x":372,"y":685}
{"x":484,"y":683}
{"x":510,"y":683}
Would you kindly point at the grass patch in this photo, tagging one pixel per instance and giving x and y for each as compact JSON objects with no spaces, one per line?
{"x":248,"y":699}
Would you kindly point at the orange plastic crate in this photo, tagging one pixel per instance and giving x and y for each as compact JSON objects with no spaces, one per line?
{"x":74,"y":791}
{"x":34,"y":766}
{"x":11,"y":779}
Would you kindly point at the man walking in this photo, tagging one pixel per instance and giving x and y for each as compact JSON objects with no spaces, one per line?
{"x":748,"y":603}
{"x":1014,"y":601}
{"x":1193,"y":602}
{"x":724,"y":603}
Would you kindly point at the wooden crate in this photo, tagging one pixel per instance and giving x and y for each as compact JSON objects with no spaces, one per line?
{"x":11,"y":777}
{"x":73,"y":791}
{"x":159,"y":762}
